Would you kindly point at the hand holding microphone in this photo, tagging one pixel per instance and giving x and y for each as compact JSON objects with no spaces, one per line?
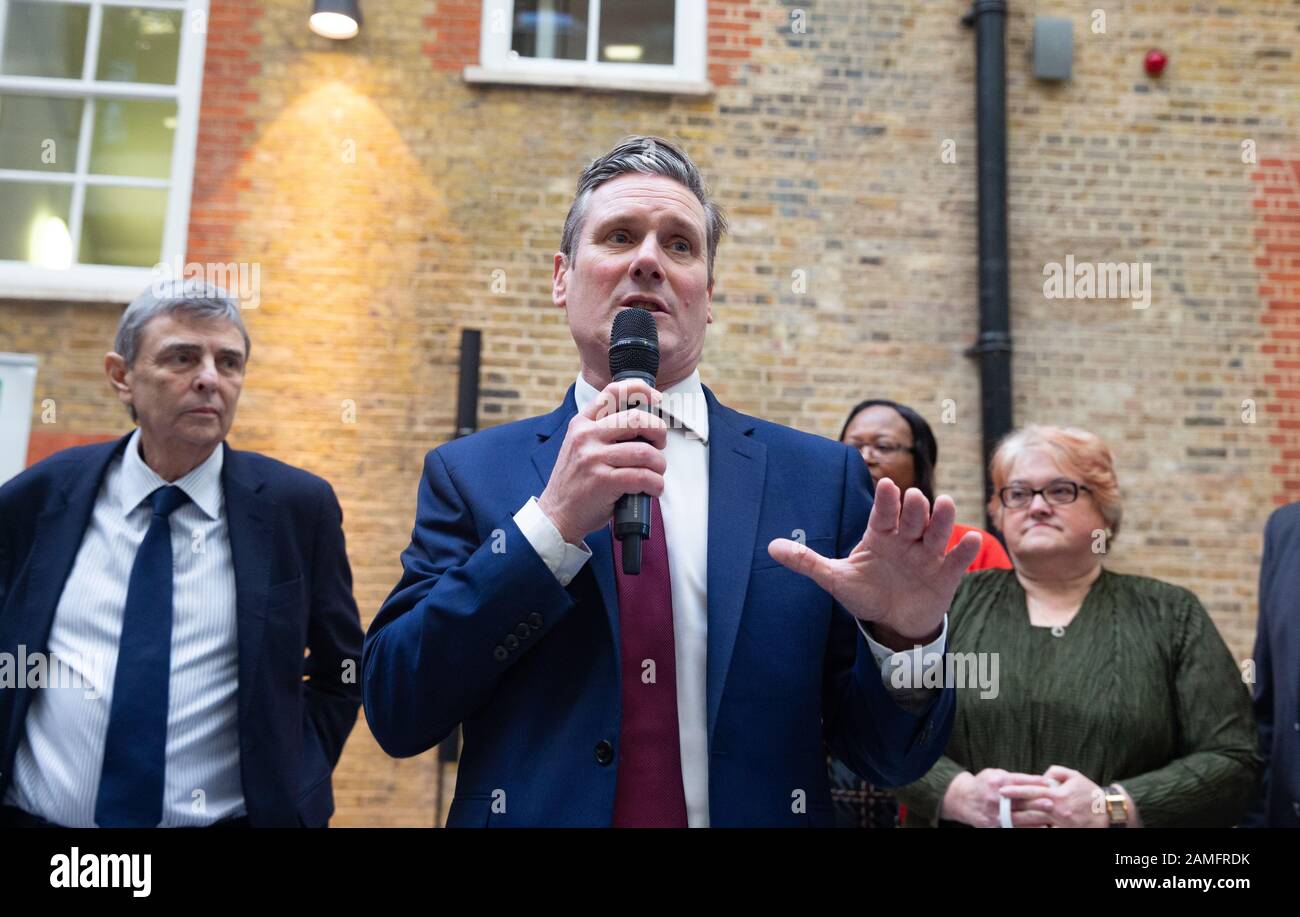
{"x":611,"y":451}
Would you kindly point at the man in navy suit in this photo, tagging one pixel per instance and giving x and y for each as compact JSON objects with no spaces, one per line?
{"x":1277,"y":672}
{"x":157,"y":595}
{"x":764,"y":621}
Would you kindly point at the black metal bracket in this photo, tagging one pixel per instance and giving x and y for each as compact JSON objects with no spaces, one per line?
{"x":990,"y":342}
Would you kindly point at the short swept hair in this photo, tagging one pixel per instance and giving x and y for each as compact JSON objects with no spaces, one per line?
{"x":649,"y":156}
{"x":194,"y":296}
{"x":1084,"y":453}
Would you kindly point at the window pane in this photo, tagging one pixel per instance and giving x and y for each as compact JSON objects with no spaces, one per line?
{"x":35,"y":227}
{"x":133,"y":138}
{"x":553,"y":29}
{"x":45,"y":39}
{"x":637,"y":31}
{"x":39,"y":133}
{"x":123,"y":226}
{"x":139,"y":45}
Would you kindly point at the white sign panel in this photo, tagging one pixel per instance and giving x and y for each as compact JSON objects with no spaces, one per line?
{"x":17,"y":386}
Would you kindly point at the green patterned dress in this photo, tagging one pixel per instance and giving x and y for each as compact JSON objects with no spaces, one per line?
{"x":1139,"y":689}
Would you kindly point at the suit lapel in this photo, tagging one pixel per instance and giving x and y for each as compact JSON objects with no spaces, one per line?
{"x":601,"y":564}
{"x":550,"y":436}
{"x":57,"y":539}
{"x":250,"y":530}
{"x":737,"y":470}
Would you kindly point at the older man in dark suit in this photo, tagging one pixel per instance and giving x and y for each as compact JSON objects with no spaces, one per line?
{"x":157,"y":595}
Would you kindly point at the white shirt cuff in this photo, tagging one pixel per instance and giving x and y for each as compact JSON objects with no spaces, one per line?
{"x":915,"y":667}
{"x":561,"y":558}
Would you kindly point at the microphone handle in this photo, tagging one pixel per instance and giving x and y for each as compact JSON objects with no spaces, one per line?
{"x":632,"y":512}
{"x":630,"y":530}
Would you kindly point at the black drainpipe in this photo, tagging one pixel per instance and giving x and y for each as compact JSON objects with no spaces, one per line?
{"x":993,"y":347}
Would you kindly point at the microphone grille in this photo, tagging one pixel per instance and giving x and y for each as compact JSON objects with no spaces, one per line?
{"x":634,"y":344}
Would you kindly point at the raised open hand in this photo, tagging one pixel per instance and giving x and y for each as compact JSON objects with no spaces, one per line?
{"x":898,"y":577}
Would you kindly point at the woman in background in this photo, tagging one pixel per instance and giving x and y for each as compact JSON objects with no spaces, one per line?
{"x":898,"y":444}
{"x":1117,"y":703}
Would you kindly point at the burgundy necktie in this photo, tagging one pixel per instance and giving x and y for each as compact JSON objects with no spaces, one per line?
{"x":649,"y":792}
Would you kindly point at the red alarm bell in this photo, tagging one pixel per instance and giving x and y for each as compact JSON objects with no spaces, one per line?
{"x":1155,"y":62}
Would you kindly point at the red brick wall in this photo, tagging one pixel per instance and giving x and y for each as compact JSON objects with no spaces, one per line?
{"x":731,"y":39}
{"x":452,"y":32}
{"x":44,"y":443}
{"x":226,"y":129}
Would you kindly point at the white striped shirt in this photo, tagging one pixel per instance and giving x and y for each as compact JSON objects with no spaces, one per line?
{"x":61,"y":754}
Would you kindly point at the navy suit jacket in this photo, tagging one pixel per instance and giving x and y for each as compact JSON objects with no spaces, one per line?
{"x":479,"y":632}
{"x":1277,"y":672}
{"x":293,"y":589}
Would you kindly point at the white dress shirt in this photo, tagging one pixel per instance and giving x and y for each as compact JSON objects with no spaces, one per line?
{"x":61,"y":754}
{"x":685,"y":508}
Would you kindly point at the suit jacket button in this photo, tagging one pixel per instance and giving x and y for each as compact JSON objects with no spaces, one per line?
{"x":604,"y":753}
{"x":511,"y":642}
{"x":524,"y":631}
{"x":535,"y":619}
{"x":500,"y":654}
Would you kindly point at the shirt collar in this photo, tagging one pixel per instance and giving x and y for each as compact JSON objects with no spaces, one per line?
{"x":684,"y":405}
{"x":202,"y":484}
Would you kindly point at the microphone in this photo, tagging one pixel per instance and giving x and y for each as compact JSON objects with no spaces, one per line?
{"x":633,"y":354}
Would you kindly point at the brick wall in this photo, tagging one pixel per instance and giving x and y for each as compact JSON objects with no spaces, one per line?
{"x":379,"y":194}
{"x":1277,"y":234}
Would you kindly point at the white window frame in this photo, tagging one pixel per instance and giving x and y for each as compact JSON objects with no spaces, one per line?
{"x":687,"y":74}
{"x":113,"y":283}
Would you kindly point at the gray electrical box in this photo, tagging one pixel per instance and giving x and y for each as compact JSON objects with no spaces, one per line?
{"x":1053,"y":47}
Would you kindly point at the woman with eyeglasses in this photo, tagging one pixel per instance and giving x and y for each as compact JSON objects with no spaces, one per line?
{"x":896,"y":443}
{"x":1116,"y":702}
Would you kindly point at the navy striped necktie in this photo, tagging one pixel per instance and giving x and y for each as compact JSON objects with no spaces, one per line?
{"x":135,"y":748}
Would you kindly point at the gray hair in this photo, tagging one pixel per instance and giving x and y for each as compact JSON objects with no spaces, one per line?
{"x":649,"y":156}
{"x":194,"y":296}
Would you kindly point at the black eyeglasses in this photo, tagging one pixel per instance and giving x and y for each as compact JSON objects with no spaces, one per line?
{"x":883,"y":449}
{"x":1057,"y":493}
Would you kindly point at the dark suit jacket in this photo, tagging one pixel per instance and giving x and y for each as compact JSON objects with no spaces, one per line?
{"x":479,"y":632}
{"x":1277,"y":672}
{"x":293,"y":590}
